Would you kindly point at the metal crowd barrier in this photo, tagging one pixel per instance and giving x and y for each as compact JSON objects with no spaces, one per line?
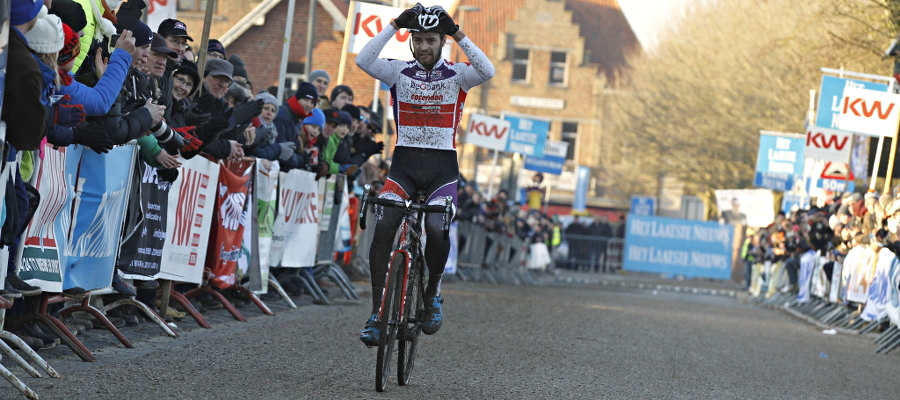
{"x":492,"y":257}
{"x":588,"y":253}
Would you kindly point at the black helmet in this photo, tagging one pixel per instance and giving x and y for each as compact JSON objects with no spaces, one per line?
{"x":428,"y":19}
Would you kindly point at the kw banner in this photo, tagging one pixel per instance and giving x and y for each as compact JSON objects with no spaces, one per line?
{"x":104,"y":186}
{"x":370,"y":19}
{"x":746,"y":207}
{"x":855,"y":277}
{"x":779,"y":162}
{"x":297,"y":224}
{"x":488,"y":132}
{"x":144,"y":248}
{"x":828,"y":144}
{"x":230,"y":216}
{"x":189,"y":218}
{"x":880,"y":290}
{"x":678,"y":247}
{"x":41,"y":256}
{"x":869,"y":112}
{"x":831,"y":92}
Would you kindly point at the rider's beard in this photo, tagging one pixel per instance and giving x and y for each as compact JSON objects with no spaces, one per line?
{"x":432,"y":60}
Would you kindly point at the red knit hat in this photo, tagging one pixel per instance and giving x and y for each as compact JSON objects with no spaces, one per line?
{"x":71,"y":46}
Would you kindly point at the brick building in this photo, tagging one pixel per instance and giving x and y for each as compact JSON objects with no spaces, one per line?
{"x":557,"y":59}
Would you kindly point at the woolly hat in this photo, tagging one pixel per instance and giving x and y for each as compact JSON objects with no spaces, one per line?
{"x":267,"y":98}
{"x":332,"y":115}
{"x":47,"y":36}
{"x":238,"y":64}
{"x":190,"y":69}
{"x":344,"y":118}
{"x":142,"y":33}
{"x":23,"y":11}
{"x":338,"y":90}
{"x":71,"y":46}
{"x":316,"y":118}
{"x":352,"y":110}
{"x":319,"y":73}
{"x":71,"y":13}
{"x":307,"y":91}
{"x":215,"y":46}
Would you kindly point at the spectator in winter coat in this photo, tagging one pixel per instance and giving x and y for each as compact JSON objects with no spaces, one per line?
{"x":176,"y":36}
{"x":265,"y":146}
{"x":337,"y":151}
{"x":288,"y":121}
{"x":320,"y":79}
{"x":311,"y":139}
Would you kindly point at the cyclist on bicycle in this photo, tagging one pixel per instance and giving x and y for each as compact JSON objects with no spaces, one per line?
{"x":427,"y":96}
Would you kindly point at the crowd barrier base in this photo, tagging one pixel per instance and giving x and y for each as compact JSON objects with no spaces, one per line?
{"x":330,"y":270}
{"x":17,"y":383}
{"x":493,"y":258}
{"x":206,"y":289}
{"x":273,"y":282}
{"x":152,"y":316}
{"x":188,"y":308}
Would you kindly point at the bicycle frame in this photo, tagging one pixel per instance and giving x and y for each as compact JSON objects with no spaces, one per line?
{"x":407,"y":239}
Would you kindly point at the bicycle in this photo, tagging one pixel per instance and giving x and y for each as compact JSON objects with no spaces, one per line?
{"x":402,"y":305}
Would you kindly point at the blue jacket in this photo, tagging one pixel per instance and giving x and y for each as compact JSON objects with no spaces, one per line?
{"x":97,"y":100}
{"x":288,"y":125}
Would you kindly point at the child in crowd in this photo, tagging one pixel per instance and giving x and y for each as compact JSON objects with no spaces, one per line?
{"x":337,"y":151}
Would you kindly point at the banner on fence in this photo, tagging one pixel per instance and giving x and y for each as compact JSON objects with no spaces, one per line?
{"x":98,"y":209}
{"x":855,"y":275}
{"x":141,"y":252}
{"x":189,"y":220}
{"x":779,"y":161}
{"x":265,"y":189}
{"x":879,"y":294}
{"x":297,"y":224}
{"x":41,"y":256}
{"x":230,"y":217}
{"x":678,"y":247}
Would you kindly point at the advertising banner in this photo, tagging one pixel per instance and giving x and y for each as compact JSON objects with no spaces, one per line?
{"x":746,"y":207}
{"x":830,"y":94}
{"x":856,"y":274}
{"x":779,"y":162}
{"x":189,"y":218}
{"x":527,"y":134}
{"x":488,"y":132}
{"x":869,"y":112}
{"x":102,"y":192}
{"x":553,"y":160}
{"x":41,"y":256}
{"x":643,"y":205}
{"x":368,"y":20}
{"x":678,"y":247}
{"x":581,"y":186}
{"x":298,"y":218}
{"x":159,"y":10}
{"x":150,"y":233}
{"x":265,"y":189}
{"x":230,"y":216}
{"x":828,"y":144}
{"x":880,"y":288}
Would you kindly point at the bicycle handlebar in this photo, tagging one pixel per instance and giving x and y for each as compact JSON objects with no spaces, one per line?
{"x":447,"y":208}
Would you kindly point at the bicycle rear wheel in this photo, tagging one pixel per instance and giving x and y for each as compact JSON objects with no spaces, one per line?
{"x":410,"y":330}
{"x":388,"y":324}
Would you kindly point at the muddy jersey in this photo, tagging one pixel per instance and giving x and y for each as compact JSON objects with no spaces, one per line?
{"x":427,"y":104}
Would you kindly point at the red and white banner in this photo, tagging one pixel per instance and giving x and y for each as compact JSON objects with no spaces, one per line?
{"x":869,"y":112}
{"x":370,"y":19}
{"x":231,"y":216}
{"x":158,"y":10}
{"x":190,"y":214}
{"x":828,"y":144}
{"x":295,"y":235}
{"x":488,"y":132}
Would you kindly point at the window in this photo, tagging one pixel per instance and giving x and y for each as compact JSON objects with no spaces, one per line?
{"x":570,"y":136}
{"x":193,"y":5}
{"x":558,"y":68}
{"x":294,"y":76}
{"x":520,"y":65}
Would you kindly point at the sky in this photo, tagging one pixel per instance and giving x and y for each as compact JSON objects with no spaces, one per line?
{"x":648,"y":16}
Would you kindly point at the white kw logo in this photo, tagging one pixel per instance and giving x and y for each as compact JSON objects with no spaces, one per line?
{"x":428,"y":21}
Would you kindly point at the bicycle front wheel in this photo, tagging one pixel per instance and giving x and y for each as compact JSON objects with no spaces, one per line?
{"x":389,"y":322}
{"x":409,"y":331}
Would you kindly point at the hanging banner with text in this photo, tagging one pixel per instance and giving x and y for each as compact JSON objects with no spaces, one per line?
{"x":191,"y":198}
{"x":553,"y":160}
{"x":527,"y":134}
{"x":678,"y":247}
{"x":828,"y":144}
{"x":779,"y":162}
{"x":370,"y":19}
{"x":869,"y":112}
{"x":830,"y":94}
{"x":488,"y":132}
{"x":297,"y":224}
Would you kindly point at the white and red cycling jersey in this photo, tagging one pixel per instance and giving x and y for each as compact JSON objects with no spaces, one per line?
{"x":427,"y":104}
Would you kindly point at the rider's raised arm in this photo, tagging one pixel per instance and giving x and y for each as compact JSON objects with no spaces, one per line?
{"x":381,"y":69}
{"x":481,"y":69}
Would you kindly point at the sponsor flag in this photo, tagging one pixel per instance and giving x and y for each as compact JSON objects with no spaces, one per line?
{"x":230,"y":216}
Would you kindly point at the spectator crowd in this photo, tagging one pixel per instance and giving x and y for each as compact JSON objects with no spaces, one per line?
{"x":91,"y":73}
